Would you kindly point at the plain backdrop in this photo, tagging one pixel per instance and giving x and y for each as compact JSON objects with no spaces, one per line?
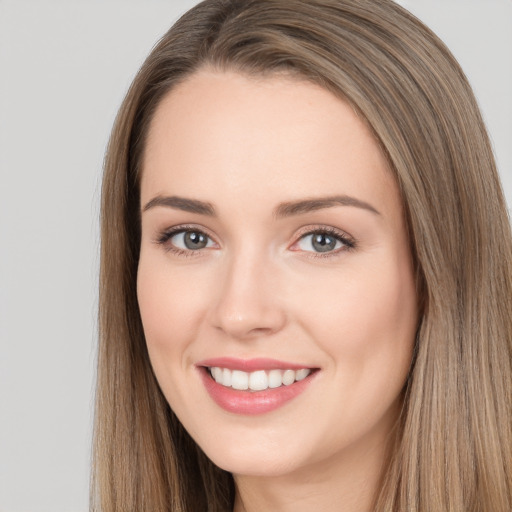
{"x":64,"y":68}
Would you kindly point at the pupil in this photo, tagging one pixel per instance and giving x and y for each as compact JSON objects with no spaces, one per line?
{"x":323,"y":242}
{"x":195,"y":240}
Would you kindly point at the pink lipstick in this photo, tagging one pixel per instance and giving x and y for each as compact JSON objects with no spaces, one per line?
{"x":253,"y":386}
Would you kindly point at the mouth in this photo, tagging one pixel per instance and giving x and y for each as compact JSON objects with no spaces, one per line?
{"x":255,"y":386}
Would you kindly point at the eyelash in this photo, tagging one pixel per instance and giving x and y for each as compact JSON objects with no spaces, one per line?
{"x":348,"y":242}
{"x":165,"y":236}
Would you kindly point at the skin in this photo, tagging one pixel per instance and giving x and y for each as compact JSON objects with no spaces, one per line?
{"x":245,"y":145}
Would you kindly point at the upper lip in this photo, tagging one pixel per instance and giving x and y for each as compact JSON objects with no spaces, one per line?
{"x":250,"y":365}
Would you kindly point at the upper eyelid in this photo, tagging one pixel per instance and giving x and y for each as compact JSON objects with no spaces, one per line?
{"x":320,"y":229}
{"x":309,"y":230}
{"x":170,"y":232}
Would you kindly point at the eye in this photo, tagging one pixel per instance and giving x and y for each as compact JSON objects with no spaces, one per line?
{"x":323,"y":241}
{"x":185,"y":240}
{"x":191,"y":240}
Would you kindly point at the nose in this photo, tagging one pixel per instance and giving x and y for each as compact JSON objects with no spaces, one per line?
{"x":249,"y":304}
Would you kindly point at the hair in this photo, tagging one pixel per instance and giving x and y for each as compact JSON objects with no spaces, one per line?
{"x":453,"y":451}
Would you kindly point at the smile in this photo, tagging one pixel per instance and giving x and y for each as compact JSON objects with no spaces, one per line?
{"x":255,"y":386}
{"x":258,"y":380}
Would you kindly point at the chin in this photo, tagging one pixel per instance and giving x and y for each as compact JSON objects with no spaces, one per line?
{"x":259,"y":467}
{"x":256,"y":459}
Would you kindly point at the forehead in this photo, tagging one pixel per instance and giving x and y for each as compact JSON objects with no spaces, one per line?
{"x":269,"y":138}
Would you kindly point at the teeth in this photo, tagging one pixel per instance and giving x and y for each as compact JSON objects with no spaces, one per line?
{"x":275,"y":378}
{"x":239,"y":380}
{"x":226,"y":377}
{"x":288,"y":377}
{"x":217,"y":374}
{"x":259,"y":380}
{"x":302,"y":374}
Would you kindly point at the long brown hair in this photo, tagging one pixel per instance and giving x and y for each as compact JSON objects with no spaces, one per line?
{"x":454,"y":447}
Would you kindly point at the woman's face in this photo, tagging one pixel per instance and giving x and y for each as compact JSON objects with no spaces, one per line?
{"x":274,"y":256}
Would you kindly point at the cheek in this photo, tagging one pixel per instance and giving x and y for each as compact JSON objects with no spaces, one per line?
{"x":170,"y":305}
{"x":366,"y":322}
{"x":368,"y":334}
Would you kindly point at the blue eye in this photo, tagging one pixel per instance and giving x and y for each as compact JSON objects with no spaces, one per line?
{"x":323,"y":242}
{"x":187,"y":240}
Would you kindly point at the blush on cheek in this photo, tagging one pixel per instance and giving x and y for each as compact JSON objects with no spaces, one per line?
{"x":170,"y":311}
{"x":153,"y":306}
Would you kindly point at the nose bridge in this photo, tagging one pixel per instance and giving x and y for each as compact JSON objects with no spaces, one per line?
{"x":248,"y":304}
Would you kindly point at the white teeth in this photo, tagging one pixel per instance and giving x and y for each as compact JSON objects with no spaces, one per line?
{"x":226,"y":377}
{"x":302,"y":374}
{"x":275,"y":378}
{"x":288,"y":377}
{"x":258,"y":380}
{"x":217,"y":374}
{"x":239,"y":380}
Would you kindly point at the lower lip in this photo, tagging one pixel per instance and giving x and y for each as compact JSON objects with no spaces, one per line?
{"x":252,"y":402}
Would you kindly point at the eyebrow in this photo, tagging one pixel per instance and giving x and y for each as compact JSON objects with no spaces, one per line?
{"x":286,"y":209}
{"x":182,"y":203}
{"x":309,"y":205}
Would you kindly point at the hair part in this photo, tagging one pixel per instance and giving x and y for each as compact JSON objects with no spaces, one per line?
{"x":453,"y":449}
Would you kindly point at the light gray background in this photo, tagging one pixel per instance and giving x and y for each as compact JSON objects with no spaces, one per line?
{"x":64,"y":67}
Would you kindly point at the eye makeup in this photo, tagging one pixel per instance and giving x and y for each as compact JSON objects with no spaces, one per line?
{"x":191,"y":241}
{"x":192,"y":235}
{"x":328,"y":241}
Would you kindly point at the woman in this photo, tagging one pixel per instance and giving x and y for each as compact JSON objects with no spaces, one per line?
{"x":306,"y":272}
